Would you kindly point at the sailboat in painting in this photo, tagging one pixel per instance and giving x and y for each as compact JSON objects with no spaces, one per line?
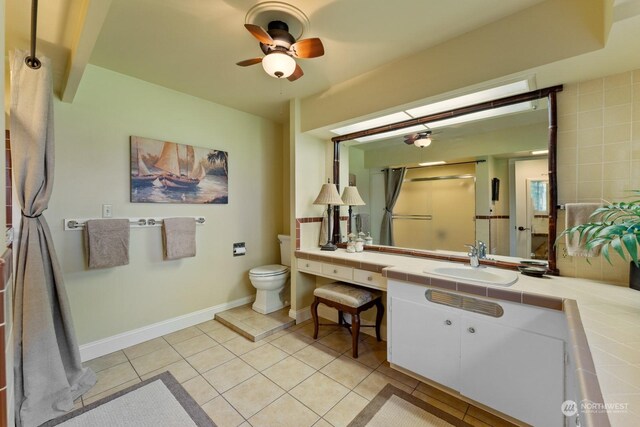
{"x":144,"y":177}
{"x":169,"y":162}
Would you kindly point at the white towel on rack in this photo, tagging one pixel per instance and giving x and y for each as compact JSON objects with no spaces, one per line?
{"x":179,"y":237}
{"x":107,"y":242}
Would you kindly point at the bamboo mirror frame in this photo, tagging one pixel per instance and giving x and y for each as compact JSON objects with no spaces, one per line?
{"x":550,"y":93}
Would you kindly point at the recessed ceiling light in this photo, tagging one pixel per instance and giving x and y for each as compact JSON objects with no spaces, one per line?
{"x":481,"y":115}
{"x":471,"y":99}
{"x":538,"y":152}
{"x":439,"y":162}
{"x":372,"y":123}
{"x":389,"y":134}
{"x":446,"y":105}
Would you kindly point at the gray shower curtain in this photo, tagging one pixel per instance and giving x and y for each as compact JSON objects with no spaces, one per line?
{"x":48,"y":372}
{"x":392,"y":184}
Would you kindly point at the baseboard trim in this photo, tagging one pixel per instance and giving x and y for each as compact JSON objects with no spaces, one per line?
{"x":136,"y":336}
{"x":300,"y":315}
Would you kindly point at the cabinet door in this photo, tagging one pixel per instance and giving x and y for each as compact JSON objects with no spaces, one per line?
{"x":425,"y":340}
{"x":516,"y":372}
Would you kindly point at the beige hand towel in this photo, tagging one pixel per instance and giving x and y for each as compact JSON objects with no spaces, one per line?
{"x":179,"y":237}
{"x":107,"y":242}
{"x":579,"y":213}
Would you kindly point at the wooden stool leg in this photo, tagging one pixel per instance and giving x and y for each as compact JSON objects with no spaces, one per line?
{"x":355,"y":332}
{"x":314,"y":314}
{"x":379,"y":315}
{"x":340,"y":317}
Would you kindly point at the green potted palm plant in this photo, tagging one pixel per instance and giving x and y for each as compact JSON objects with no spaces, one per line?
{"x":614,"y":227}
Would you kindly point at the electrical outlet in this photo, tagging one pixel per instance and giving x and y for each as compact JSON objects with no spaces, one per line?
{"x":107,"y":211}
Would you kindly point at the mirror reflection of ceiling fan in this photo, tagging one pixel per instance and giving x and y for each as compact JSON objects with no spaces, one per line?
{"x":420,"y":139}
{"x":280,"y":49}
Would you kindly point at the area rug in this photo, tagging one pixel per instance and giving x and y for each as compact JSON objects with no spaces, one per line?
{"x":158,"y":401}
{"x":394,"y":407}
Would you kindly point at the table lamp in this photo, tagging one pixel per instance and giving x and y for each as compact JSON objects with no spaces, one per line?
{"x":328,"y":196}
{"x":351,"y":197}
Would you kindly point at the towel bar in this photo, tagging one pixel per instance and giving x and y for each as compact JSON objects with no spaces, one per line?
{"x":75,"y":224}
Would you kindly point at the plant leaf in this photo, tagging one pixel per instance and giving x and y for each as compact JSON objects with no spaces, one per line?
{"x":631,"y":243}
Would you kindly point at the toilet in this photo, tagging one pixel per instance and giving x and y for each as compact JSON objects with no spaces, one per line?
{"x":270,"y":280}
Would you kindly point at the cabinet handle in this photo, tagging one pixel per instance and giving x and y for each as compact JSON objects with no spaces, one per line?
{"x":369,"y":278}
{"x":308,"y":265}
{"x":447,"y":322}
{"x":472,"y":330}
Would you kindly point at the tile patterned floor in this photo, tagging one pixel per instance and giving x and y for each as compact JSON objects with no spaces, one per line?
{"x":286,"y":379}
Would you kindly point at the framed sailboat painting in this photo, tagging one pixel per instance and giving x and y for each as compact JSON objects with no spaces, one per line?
{"x":167,"y":172}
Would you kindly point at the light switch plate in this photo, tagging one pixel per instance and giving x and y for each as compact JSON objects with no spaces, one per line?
{"x":107,"y":211}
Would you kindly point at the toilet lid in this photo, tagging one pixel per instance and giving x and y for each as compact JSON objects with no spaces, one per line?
{"x":269,"y":270}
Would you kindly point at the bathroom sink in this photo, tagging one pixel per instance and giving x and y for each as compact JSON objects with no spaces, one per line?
{"x":484,"y":275}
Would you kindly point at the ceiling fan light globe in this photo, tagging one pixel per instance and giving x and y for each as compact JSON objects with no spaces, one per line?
{"x":422,"y":142}
{"x":278,"y":65}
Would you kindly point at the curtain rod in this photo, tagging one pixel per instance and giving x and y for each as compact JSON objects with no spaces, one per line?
{"x":32,"y":61}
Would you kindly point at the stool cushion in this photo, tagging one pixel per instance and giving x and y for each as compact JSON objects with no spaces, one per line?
{"x":345,"y":294}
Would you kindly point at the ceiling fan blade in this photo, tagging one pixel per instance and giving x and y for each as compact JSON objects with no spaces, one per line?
{"x":409,"y":139}
{"x":297,"y":73}
{"x":248,"y":62}
{"x":307,"y":48}
{"x":259,"y":33}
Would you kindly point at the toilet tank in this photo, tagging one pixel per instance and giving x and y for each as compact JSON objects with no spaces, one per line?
{"x":285,"y":249}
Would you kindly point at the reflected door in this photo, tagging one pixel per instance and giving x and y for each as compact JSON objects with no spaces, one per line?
{"x":435,"y":214}
{"x":538,"y":218}
{"x":531,"y":207}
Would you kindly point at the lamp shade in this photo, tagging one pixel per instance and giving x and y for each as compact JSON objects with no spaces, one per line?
{"x":351,"y":197}
{"x":328,"y":196}
{"x":278,"y":64}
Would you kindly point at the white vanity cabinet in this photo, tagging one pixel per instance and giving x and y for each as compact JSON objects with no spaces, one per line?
{"x":512,"y":370}
{"x":494,"y":361}
{"x":343,"y":273}
{"x":426,"y":341}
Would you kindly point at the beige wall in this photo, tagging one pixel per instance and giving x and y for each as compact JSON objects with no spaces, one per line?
{"x":598,"y":156}
{"x":92,"y":168}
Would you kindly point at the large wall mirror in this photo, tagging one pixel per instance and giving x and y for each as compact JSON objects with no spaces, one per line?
{"x":489,"y":179}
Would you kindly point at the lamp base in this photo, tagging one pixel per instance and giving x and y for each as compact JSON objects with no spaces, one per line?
{"x":329,"y":247}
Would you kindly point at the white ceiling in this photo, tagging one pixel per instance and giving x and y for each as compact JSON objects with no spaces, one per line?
{"x":192,"y":45}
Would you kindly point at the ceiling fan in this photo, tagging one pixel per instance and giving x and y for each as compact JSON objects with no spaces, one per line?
{"x":420,"y":139}
{"x":280,"y":49}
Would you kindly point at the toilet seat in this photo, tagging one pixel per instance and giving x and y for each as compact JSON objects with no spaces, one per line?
{"x":269,"y":270}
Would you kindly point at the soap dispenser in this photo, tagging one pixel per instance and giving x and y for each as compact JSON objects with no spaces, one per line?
{"x":360,"y":242}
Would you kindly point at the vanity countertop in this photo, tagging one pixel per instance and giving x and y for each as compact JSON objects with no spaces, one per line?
{"x":603,"y":319}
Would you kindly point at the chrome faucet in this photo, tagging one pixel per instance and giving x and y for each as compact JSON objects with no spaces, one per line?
{"x":473,"y":256}
{"x":482,"y":250}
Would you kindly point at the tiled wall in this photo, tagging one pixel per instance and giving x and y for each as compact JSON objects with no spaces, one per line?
{"x":8,"y":193}
{"x":598,"y":156}
{"x":308,"y":231}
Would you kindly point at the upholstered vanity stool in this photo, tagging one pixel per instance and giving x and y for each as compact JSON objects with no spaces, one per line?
{"x":348,"y":299}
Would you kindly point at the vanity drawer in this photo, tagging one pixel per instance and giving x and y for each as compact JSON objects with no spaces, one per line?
{"x":369,"y":279}
{"x":309,"y":266}
{"x":337,"y":271}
